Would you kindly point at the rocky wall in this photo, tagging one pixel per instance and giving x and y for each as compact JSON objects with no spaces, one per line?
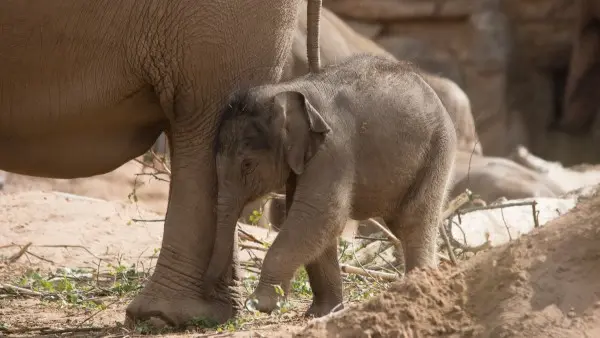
{"x":509,"y":56}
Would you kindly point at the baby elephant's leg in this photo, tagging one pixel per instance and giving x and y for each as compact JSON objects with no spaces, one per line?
{"x":416,"y":222}
{"x":298,"y":244}
{"x":326,"y":282}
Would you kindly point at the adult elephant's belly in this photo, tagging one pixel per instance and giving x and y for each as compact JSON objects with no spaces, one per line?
{"x":80,"y":136}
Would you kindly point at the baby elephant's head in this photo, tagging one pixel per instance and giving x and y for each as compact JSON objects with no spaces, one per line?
{"x":263,"y":136}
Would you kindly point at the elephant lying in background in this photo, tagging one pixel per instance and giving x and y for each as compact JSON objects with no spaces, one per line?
{"x":367,"y":137}
{"x":495,"y":177}
{"x":86,"y":86}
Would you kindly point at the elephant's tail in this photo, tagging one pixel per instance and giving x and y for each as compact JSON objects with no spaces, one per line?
{"x":313,"y":17}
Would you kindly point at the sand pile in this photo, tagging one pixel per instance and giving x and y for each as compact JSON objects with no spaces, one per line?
{"x":545,"y":284}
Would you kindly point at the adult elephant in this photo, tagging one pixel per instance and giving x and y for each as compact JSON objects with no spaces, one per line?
{"x":87,"y":85}
{"x":582,"y":88}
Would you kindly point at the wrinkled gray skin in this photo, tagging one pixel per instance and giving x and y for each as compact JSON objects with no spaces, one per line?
{"x":86,"y":86}
{"x":367,"y":137}
{"x":339,"y":41}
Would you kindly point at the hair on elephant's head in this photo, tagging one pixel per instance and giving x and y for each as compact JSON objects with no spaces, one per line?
{"x":264,"y":135}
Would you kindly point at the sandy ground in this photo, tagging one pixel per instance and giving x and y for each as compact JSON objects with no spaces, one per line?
{"x":114,"y":186}
{"x":545,"y":284}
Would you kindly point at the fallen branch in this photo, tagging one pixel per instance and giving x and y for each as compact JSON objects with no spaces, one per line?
{"x":252,"y":247}
{"x":369,"y":273}
{"x":136,"y":220}
{"x":18,"y":289}
{"x":249,"y":236}
{"x":536,"y":221}
{"x":8,"y":246}
{"x":40,"y":257}
{"x":442,"y":229}
{"x":385,"y":230}
{"x":383,"y":239}
{"x":95,"y":314}
{"x":466,"y":248}
{"x":47,"y":330}
{"x":65,"y":246}
{"x":457,"y":203}
{"x":20,"y":253}
{"x":495,"y":206}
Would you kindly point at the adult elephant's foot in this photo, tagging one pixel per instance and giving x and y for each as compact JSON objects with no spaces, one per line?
{"x":174,"y":299}
{"x":322,"y":308}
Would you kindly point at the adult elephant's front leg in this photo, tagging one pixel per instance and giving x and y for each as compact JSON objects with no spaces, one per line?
{"x":174,"y":293}
{"x":217,"y":48}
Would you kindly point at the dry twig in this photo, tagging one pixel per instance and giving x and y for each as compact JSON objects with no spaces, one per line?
{"x":65,"y":246}
{"x":447,"y":242}
{"x":47,"y":331}
{"x":385,"y":230}
{"x":252,"y":247}
{"x":21,"y":290}
{"x":20,"y":253}
{"x":456,"y":203}
{"x":370,"y":273}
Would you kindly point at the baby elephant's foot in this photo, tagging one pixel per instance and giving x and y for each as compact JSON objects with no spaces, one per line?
{"x":320,"y":309}
{"x":266,"y":298}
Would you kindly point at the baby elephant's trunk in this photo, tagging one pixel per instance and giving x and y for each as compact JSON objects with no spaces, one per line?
{"x":228,"y":212}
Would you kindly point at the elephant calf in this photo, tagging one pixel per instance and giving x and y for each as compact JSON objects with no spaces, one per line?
{"x":364,"y":138}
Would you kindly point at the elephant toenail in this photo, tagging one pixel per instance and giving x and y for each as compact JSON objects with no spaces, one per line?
{"x":251,"y":304}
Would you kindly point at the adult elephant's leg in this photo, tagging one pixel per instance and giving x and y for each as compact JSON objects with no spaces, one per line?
{"x":205,"y":75}
{"x":173,"y":294}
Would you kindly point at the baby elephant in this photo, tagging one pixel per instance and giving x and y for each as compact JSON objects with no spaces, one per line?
{"x":364,"y":138}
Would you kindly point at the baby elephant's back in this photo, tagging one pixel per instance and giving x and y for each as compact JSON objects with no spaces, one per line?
{"x":393,"y":107}
{"x":400,"y":123}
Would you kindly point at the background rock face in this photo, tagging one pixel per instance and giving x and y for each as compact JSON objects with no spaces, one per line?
{"x":510,"y":57}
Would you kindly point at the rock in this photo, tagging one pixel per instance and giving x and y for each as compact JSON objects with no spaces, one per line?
{"x":383,"y":10}
{"x":540,"y":10}
{"x":369,"y":30}
{"x":431,"y":59}
{"x":455,"y":8}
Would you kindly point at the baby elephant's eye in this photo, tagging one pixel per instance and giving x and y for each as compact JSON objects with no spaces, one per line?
{"x":248,"y":166}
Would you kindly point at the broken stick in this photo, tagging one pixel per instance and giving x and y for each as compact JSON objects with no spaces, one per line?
{"x":364,"y":272}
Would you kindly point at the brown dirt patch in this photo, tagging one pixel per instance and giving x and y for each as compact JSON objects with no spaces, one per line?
{"x":116,"y":185}
{"x":545,"y":284}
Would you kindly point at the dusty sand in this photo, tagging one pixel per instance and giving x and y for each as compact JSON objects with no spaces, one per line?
{"x":116,"y":185}
{"x":545,"y":284}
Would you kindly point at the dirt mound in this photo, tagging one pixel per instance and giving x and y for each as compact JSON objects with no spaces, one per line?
{"x":545,"y":284}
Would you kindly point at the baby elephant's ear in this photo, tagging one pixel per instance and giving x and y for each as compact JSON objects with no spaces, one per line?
{"x":305,"y":128}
